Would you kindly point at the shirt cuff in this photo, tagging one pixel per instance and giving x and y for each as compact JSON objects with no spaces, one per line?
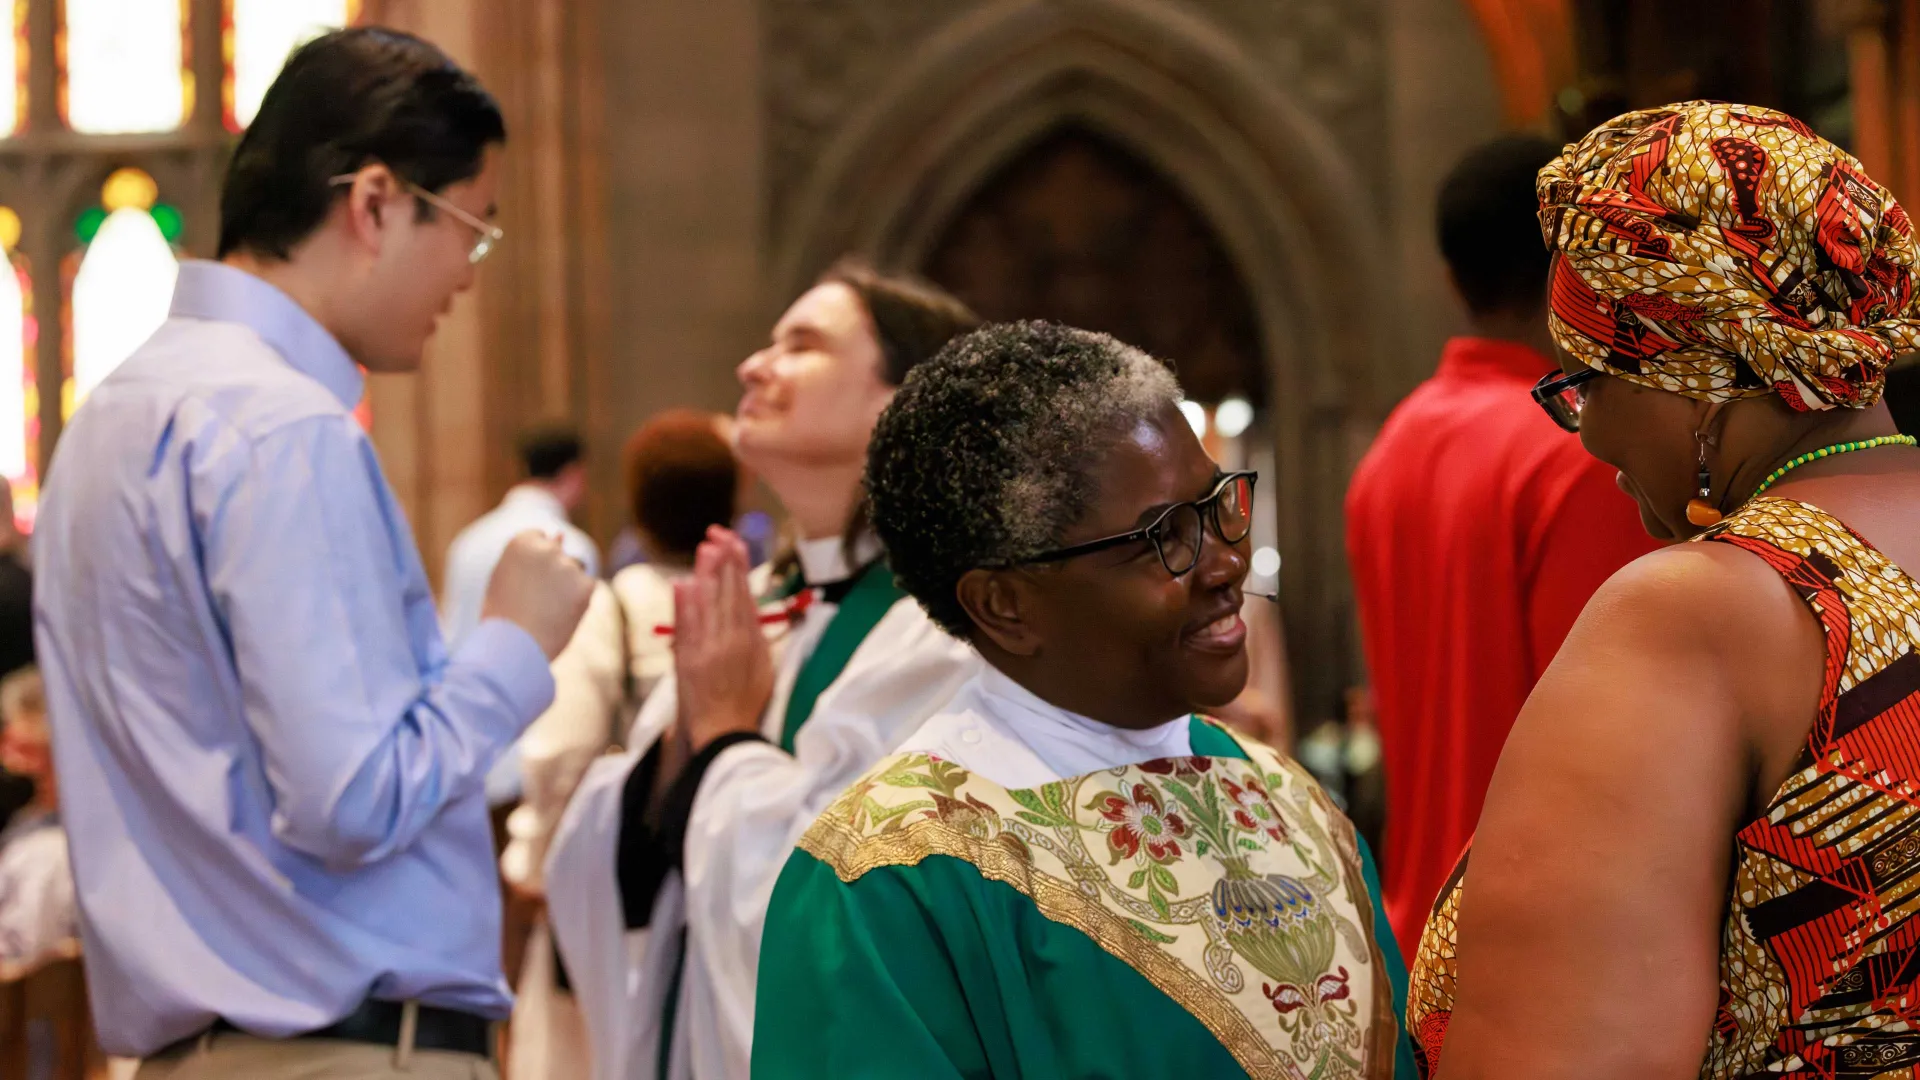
{"x":508,"y":657}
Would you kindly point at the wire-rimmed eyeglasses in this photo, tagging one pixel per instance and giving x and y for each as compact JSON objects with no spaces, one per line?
{"x":1561,"y":396}
{"x":1180,"y":529}
{"x":489,"y":233}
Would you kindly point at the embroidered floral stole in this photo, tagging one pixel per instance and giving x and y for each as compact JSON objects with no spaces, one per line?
{"x":1235,"y":887}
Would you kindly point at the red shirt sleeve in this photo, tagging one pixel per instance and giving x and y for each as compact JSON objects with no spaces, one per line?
{"x":1591,"y":532}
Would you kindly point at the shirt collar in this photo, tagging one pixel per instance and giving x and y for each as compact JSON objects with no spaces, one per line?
{"x":221,"y":293}
{"x":1479,"y":357}
{"x":824,"y":561}
{"x":536,"y":498}
{"x":1042,"y":722}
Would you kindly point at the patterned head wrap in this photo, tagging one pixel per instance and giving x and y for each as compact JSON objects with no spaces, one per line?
{"x":1726,"y":251}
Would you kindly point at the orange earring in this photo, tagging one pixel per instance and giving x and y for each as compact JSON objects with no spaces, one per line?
{"x":1700,"y":509}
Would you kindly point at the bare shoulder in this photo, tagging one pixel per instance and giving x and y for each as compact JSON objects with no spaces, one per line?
{"x":1695,"y":600}
{"x":1708,"y":632}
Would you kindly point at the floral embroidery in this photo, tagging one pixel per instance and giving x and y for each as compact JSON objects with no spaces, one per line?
{"x":1252,"y":810}
{"x":1141,"y":817}
{"x":1195,"y":871}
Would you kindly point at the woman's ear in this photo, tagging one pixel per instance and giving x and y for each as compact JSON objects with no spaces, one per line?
{"x":1001,"y":604}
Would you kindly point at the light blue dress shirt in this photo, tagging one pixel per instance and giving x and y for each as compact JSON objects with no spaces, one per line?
{"x":271,"y":771}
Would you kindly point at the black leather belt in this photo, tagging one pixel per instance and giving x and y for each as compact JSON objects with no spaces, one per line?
{"x":378,"y":1023}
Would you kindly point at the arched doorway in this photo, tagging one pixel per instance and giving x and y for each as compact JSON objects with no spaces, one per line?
{"x":1076,"y":228}
{"x":1079,"y":230}
{"x":1276,"y":191}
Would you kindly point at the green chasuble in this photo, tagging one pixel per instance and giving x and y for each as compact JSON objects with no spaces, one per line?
{"x":1192,"y":917}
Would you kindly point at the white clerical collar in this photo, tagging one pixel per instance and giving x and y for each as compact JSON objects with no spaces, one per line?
{"x":824,"y":561}
{"x":1068,"y":743}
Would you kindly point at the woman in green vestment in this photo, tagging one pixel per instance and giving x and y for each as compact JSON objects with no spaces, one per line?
{"x":1066,"y":872}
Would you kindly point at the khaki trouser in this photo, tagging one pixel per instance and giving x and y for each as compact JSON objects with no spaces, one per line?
{"x":243,"y":1057}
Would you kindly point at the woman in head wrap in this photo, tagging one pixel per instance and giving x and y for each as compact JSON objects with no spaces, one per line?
{"x":1700,"y":855}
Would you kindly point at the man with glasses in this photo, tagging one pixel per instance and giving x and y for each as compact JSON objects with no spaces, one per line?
{"x":273,"y":768}
{"x":1476,"y":531}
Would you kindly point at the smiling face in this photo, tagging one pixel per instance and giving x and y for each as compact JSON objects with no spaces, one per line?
{"x":1112,"y":635}
{"x":813,"y":393}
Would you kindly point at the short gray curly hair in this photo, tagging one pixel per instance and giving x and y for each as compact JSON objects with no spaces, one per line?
{"x":985,"y":455}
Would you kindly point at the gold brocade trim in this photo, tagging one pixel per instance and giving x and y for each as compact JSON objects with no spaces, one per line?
{"x":837,"y":845}
{"x":911,"y":806}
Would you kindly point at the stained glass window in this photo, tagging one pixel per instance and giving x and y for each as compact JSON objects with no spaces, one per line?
{"x":13,"y":65}
{"x":259,"y":34}
{"x":126,"y":65}
{"x":124,"y":283}
{"x":19,"y":404}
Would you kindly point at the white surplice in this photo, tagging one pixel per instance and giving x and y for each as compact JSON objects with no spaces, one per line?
{"x":614,"y":660}
{"x":752,"y":806}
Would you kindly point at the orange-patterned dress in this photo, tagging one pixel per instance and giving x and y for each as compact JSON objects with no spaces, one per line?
{"x":1820,"y":954}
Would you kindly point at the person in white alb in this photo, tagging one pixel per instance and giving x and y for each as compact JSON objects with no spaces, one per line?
{"x":682,"y":479}
{"x":658,"y":878}
{"x":555,"y":484}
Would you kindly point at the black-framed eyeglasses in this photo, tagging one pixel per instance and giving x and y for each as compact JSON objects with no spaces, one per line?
{"x":1562,"y":397}
{"x":1180,"y":529}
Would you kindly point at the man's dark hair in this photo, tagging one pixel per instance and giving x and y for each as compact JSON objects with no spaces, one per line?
{"x":681,"y":479}
{"x":342,"y":101}
{"x":547,"y":449}
{"x":986,"y":454}
{"x":911,"y":318}
{"x":1490,"y":225}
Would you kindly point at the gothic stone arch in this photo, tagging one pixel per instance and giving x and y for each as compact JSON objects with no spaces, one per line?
{"x":1181,"y":93}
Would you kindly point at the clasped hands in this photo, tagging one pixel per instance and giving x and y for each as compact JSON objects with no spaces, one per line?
{"x":723,"y":666}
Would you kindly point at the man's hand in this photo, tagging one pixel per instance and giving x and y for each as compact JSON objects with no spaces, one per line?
{"x":539,"y":588}
{"x":722,"y":664}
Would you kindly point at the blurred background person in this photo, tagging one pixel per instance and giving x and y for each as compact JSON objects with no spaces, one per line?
{"x":658,"y":878}
{"x":682,"y":480}
{"x":554,"y":484}
{"x":1476,"y":531}
{"x":37,"y":913}
{"x":16,"y":636}
{"x":554,"y":470}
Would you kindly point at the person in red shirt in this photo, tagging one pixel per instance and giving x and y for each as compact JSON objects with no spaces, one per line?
{"x":1476,"y":531}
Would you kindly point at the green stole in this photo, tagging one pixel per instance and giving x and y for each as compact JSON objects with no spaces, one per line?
{"x":957,"y":947}
{"x":872,"y":596}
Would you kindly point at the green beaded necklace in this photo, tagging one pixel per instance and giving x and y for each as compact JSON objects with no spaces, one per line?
{"x":1830,"y":451}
